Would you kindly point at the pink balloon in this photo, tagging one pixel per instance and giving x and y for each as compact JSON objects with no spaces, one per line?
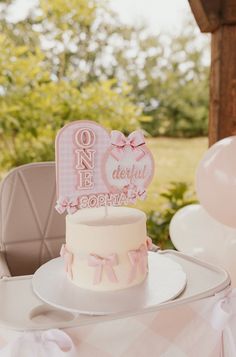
{"x":216,"y":181}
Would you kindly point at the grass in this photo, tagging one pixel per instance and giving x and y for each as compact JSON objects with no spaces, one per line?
{"x":175,"y":160}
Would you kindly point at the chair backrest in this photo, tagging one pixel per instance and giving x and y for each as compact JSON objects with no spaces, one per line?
{"x":31,"y":231}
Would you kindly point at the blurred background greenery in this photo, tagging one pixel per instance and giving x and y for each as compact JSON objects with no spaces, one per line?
{"x":76,"y":60}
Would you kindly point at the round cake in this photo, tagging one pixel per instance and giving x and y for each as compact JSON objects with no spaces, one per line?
{"x":106,"y":251}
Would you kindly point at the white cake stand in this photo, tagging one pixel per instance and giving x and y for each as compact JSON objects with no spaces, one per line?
{"x":165,"y":281}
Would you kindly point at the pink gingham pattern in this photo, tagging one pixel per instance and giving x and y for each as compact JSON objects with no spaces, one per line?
{"x":65,"y":158}
{"x":181,"y":331}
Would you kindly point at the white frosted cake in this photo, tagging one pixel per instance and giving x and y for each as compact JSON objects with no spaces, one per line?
{"x":106,"y":252}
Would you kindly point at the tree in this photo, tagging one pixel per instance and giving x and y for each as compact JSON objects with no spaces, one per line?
{"x":169,"y":77}
{"x":37,"y":98}
{"x":182,"y":100}
{"x":75,"y":60}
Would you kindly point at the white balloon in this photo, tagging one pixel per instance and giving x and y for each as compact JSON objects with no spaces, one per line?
{"x":193,"y":231}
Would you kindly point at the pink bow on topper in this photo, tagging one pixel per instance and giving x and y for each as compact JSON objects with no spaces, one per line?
{"x":100,"y":263}
{"x":66,"y":204}
{"x":135,"y":140}
{"x":133,"y":192}
{"x":137,"y":259}
{"x":68,"y":257}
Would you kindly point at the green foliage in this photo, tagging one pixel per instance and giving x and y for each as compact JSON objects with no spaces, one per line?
{"x":75,"y":60}
{"x":28,"y":129}
{"x":34,"y":104}
{"x":182,"y":115}
{"x":173,"y":84}
{"x":63,"y":14}
{"x":169,"y":77}
{"x":177,"y":196}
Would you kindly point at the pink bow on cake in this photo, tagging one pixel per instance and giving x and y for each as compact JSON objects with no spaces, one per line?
{"x":100,"y":263}
{"x":66,"y":204}
{"x":68,"y":257}
{"x":138,"y":260}
{"x":135,"y":140}
{"x":149,"y":243}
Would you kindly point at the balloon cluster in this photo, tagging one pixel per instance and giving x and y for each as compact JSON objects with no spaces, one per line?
{"x":208,"y":230}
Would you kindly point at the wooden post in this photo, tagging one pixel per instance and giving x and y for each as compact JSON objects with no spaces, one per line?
{"x":222,"y":116}
{"x":219,"y":18}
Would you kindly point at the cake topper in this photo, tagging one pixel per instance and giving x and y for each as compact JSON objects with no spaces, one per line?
{"x":95,"y":168}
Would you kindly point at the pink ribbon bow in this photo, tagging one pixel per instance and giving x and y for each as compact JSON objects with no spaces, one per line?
{"x":100,"y":263}
{"x":133,"y":192}
{"x":149,"y":243}
{"x":130,"y":191}
{"x":138,"y":260}
{"x":135,"y":140}
{"x":68,"y":258}
{"x":65,"y":204}
{"x":51,"y":342}
{"x":223,"y":314}
{"x":141,"y":192}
